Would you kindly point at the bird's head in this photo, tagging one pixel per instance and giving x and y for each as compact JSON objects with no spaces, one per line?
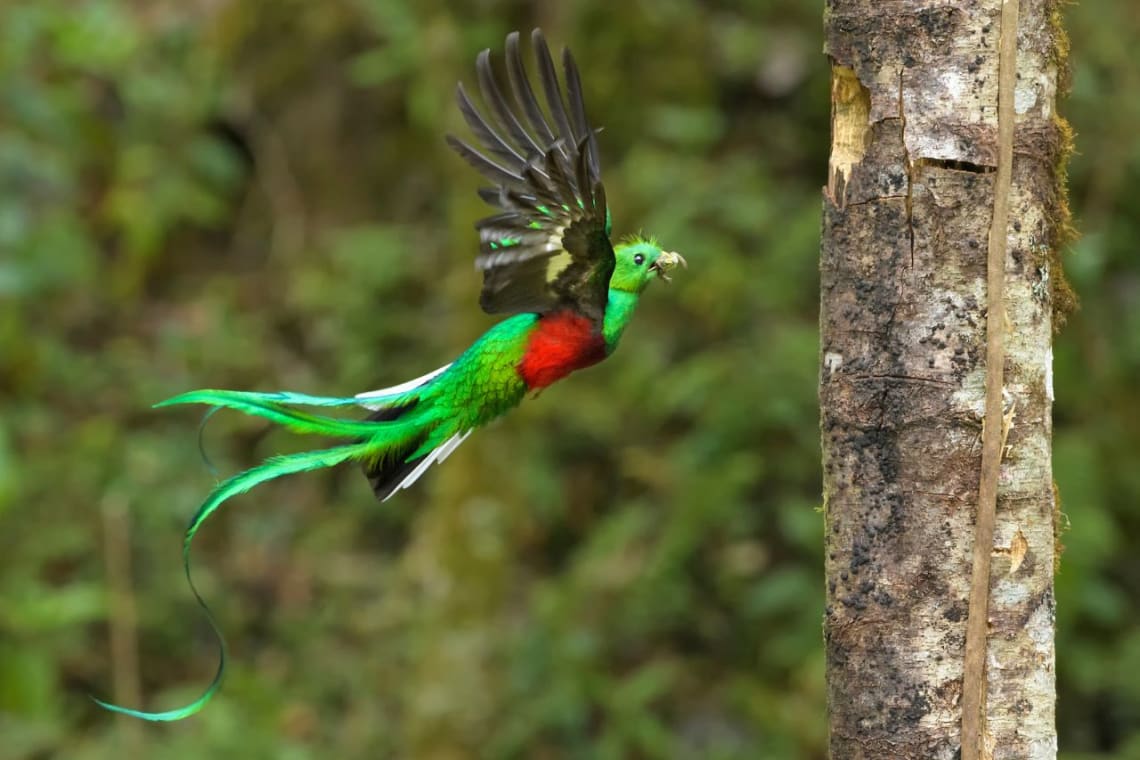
{"x":640,"y":260}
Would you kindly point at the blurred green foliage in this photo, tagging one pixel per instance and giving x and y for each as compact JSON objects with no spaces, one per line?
{"x":256,"y":194}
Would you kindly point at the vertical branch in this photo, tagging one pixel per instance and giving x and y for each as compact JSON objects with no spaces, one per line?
{"x":993,"y":432}
{"x":908,"y":369}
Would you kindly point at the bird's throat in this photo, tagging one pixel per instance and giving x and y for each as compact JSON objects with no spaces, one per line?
{"x":619,"y":310}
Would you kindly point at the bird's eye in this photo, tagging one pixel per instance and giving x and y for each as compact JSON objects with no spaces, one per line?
{"x":639,"y":259}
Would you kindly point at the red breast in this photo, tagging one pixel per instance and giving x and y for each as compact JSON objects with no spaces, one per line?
{"x":562,"y":342}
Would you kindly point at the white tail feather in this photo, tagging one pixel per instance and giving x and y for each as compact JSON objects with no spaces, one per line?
{"x":396,"y":390}
{"x":450,"y":445}
{"x":438,"y":454}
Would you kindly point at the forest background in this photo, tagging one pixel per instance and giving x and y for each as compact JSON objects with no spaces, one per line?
{"x":256,"y":194}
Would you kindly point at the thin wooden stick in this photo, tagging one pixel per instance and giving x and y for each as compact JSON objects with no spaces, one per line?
{"x":974,"y":668}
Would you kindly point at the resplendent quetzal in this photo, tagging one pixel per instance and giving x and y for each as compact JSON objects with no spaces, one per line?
{"x":546,"y":258}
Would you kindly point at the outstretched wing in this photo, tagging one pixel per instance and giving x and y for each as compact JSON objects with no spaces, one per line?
{"x":549,"y":248}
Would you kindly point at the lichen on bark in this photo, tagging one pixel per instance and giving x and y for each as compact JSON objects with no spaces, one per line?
{"x":903,"y":270}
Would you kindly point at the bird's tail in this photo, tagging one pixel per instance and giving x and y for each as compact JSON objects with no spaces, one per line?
{"x":393,"y":443}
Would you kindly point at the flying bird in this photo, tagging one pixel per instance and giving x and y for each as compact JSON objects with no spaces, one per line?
{"x":547,"y":261}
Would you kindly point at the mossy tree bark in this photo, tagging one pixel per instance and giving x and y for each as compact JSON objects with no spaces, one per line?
{"x":907,"y":211}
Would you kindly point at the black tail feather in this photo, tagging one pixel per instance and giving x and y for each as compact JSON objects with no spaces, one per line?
{"x":386,"y":473}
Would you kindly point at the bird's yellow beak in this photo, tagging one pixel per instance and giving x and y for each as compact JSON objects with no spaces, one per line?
{"x":666,"y":261}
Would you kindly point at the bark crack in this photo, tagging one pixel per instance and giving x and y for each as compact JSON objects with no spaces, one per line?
{"x":876,"y":199}
{"x":903,"y":378}
{"x":957,"y":166}
{"x":909,"y":171}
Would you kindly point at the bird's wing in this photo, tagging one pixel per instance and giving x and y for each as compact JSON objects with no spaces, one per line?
{"x":549,"y":247}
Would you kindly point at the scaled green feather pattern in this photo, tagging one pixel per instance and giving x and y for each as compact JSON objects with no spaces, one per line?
{"x":552,"y":210}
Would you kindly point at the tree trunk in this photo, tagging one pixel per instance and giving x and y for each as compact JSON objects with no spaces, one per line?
{"x":906,"y":218}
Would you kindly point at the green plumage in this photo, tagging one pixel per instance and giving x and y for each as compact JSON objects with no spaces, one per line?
{"x":547,"y":256}
{"x":480,"y":385}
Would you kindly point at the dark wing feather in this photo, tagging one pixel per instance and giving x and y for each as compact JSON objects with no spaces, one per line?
{"x":524,"y":95}
{"x":548,"y":247}
{"x":553,"y":92}
{"x":493,"y":96}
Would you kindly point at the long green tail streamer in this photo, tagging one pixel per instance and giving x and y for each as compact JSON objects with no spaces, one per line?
{"x":267,"y":405}
{"x":250,"y":399}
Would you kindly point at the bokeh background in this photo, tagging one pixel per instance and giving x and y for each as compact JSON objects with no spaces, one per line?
{"x":256,"y":194}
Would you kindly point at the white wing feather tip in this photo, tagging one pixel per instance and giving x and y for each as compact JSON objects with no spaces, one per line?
{"x":396,"y":390}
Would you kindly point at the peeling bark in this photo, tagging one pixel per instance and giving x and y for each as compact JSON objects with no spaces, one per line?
{"x":903,"y":273}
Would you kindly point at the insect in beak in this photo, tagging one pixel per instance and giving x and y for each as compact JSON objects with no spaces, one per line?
{"x":666,"y":261}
